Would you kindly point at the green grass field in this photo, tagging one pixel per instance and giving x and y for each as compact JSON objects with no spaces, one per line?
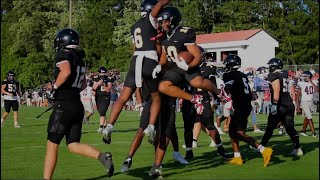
{"x":23,"y":152}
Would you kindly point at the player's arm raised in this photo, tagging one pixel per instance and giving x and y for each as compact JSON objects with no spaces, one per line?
{"x":156,"y":9}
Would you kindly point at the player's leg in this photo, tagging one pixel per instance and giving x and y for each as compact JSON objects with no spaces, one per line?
{"x":199,"y":82}
{"x":307,"y":106}
{"x":188,"y":115}
{"x":7,"y":108}
{"x":196,"y":132}
{"x":144,"y":120}
{"x":175,"y":146}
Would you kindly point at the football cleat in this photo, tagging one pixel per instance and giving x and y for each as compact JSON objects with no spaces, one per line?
{"x":315,"y":135}
{"x":235,"y":160}
{"x":266,"y":154}
{"x":223,"y":154}
{"x":177,"y":156}
{"x":106,"y":160}
{"x":17,"y":126}
{"x":258,"y":131}
{"x":107,"y":135}
{"x":303,"y":134}
{"x":126,"y":165}
{"x":197,"y":101}
{"x":155,"y":172}
{"x":100,"y":130}
{"x":212,"y":144}
{"x":189,"y":155}
{"x":281,"y":130}
{"x":297,"y":152}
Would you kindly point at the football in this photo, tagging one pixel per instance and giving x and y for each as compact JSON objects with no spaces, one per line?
{"x":188,"y":57}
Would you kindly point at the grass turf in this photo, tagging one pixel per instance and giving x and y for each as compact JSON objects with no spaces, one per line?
{"x":23,"y":152}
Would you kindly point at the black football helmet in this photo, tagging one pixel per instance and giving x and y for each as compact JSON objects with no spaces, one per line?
{"x":262,"y":72}
{"x":10,"y":75}
{"x":66,"y":37}
{"x":147,"y":5}
{"x":232,"y":62}
{"x":275,"y":64}
{"x":102,"y":70}
{"x":172,"y":14}
{"x":305,"y":75}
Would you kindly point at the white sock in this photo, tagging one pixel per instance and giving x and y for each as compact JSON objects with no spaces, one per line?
{"x":188,"y":148}
{"x":218,"y":145}
{"x":109,"y":126}
{"x":237,"y":154}
{"x":261,"y":148}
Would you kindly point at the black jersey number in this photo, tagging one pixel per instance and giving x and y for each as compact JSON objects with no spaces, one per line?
{"x":80,"y":75}
{"x":137,"y":38}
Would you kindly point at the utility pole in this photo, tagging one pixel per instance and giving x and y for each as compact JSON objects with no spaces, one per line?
{"x":70,"y":13}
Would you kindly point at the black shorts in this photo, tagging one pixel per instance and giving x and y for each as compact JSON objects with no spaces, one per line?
{"x":285,"y":113}
{"x":102,"y":104}
{"x":11,"y":103}
{"x":178,"y":76}
{"x":206,"y":118}
{"x":239,"y":118}
{"x":66,"y":120}
{"x":147,"y":67}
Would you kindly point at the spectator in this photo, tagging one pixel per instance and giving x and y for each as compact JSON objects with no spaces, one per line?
{"x":266,"y":101}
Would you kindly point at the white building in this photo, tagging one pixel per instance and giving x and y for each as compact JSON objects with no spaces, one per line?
{"x":255,"y":47}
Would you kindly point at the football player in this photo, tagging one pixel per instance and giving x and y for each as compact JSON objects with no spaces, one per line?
{"x":236,"y":83}
{"x":102,"y":88}
{"x":144,"y":61}
{"x":66,"y":117}
{"x":178,"y":39}
{"x":282,"y":108}
{"x":306,"y":89}
{"x":86,"y":98}
{"x":10,"y":90}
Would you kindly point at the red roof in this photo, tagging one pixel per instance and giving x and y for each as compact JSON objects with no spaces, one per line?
{"x":226,"y":36}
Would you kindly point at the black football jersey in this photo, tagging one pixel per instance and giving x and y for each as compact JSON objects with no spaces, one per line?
{"x":100,"y":91}
{"x":142,"y":32}
{"x":208,"y":71}
{"x":177,"y":42}
{"x":12,"y":86}
{"x":240,"y":90}
{"x":74,"y":82}
{"x":284,"y":86}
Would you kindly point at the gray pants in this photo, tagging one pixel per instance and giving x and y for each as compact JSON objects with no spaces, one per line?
{"x":265,"y":107}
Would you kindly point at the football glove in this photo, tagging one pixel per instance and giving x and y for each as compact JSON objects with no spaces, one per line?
{"x":156,"y":71}
{"x":53,"y":95}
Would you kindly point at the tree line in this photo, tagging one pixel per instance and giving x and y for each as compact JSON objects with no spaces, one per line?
{"x":29,"y":27}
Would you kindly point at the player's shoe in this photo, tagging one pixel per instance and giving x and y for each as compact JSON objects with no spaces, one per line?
{"x":220,"y":131}
{"x":258,"y":131}
{"x":254,"y":149}
{"x":197,"y":101}
{"x":315,"y":135}
{"x":155,"y":172}
{"x":177,"y":156}
{"x":126,"y":165}
{"x":17,"y":126}
{"x":100,"y":130}
{"x":303,"y":134}
{"x":189,"y":155}
{"x":297,"y":152}
{"x":212,"y":144}
{"x":106,"y":160}
{"x":150,"y":133}
{"x":194,"y":145}
{"x":266,"y":154}
{"x":107,"y":135}
{"x":235,"y":160}
{"x":223,"y":154}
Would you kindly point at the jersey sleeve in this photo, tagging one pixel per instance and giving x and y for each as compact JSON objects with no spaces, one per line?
{"x":190,"y":35}
{"x":4,"y":82}
{"x":272,"y":77}
{"x":153,"y":21}
{"x":61,"y":56}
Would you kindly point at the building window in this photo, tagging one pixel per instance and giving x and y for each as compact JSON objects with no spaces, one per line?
{"x":224,"y":54}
